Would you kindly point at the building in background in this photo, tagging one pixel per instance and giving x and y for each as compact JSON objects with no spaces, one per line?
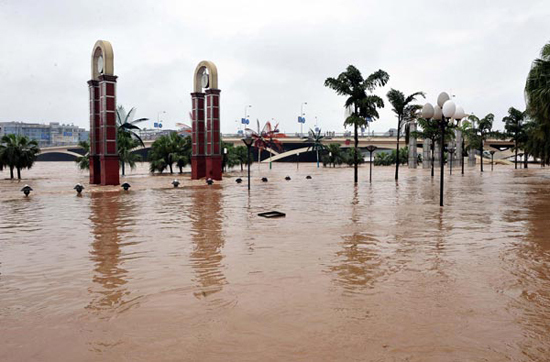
{"x":53,"y":134}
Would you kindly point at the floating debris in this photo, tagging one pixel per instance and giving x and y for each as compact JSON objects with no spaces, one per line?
{"x":272,"y":214}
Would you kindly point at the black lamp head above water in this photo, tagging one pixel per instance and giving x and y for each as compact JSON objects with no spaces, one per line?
{"x":125,"y":186}
{"x":176,"y":183}
{"x":26,"y":190}
{"x":264,"y":179}
{"x":239,"y":180}
{"x":308,"y":177}
{"x":78,"y":188}
{"x":287,"y":178}
{"x":209,"y":181}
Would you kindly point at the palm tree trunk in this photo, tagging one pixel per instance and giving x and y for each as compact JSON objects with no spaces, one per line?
{"x":19,"y":173}
{"x":122,"y":168}
{"x":181,"y":169}
{"x":317,"y":158}
{"x":397,"y":153}
{"x":525,"y":158}
{"x":171,"y":171}
{"x":242,"y":167}
{"x":11,"y":172}
{"x":481,"y":154}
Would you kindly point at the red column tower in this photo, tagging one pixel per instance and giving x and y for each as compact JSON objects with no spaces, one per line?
{"x":107,"y":115}
{"x":213,"y":139}
{"x":207,"y":153}
{"x":198,"y":162}
{"x":95,"y":168}
{"x":104,"y":163}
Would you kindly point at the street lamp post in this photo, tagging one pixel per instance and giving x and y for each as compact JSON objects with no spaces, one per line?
{"x":298,"y":163}
{"x":301,"y":115}
{"x":492,"y":154}
{"x":443,"y":112}
{"x":158,"y":117}
{"x":248,"y":142}
{"x":371,"y":149}
{"x":246,"y":115}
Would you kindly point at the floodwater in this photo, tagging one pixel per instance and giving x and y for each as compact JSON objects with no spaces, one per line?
{"x":373,"y":273}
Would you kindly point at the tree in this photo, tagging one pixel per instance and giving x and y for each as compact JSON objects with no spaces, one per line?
{"x":515,"y":128}
{"x":167,"y":150}
{"x":83,"y":162}
{"x":537,"y":96}
{"x":428,"y":130}
{"x":364,"y":106}
{"x":404,"y":110}
{"x":335,"y":156}
{"x":481,"y":130}
{"x":125,"y":145}
{"x":316,"y":141}
{"x":537,"y":88}
{"x":127,"y":137}
{"x":18,"y":152}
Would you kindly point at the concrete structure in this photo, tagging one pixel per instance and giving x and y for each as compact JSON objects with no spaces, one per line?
{"x":206,"y":159}
{"x":53,"y":134}
{"x":427,"y":154}
{"x":103,"y":148}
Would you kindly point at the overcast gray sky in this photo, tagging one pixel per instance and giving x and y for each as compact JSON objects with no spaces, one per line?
{"x":273,"y":55}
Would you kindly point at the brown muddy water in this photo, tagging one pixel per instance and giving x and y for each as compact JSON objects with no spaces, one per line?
{"x":373,"y":273}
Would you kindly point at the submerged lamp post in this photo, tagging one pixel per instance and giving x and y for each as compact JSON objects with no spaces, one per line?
{"x":492,"y":154}
{"x":248,"y":142}
{"x":443,"y":112}
{"x":371,"y":149}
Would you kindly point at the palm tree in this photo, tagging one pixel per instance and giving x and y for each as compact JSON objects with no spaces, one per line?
{"x":316,"y":141}
{"x":365,"y":106}
{"x":537,"y":87}
{"x":83,"y":162}
{"x":481,"y":130}
{"x":125,"y":145}
{"x":241,"y":154}
{"x":514,"y":125}
{"x":168,"y":149}
{"x":127,"y":137}
{"x":18,"y":152}
{"x":403,"y":109}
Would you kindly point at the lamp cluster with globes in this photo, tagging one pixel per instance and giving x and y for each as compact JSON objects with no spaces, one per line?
{"x":444,"y":113}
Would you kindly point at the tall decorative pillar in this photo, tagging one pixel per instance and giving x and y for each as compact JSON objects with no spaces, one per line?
{"x":427,"y":153}
{"x":437,"y":154}
{"x":198,"y":166}
{"x":95,"y":167}
{"x":458,"y":152}
{"x":206,"y":160}
{"x":104,"y":162}
{"x":471,"y":157}
{"x":413,"y":147}
{"x":213,"y":138}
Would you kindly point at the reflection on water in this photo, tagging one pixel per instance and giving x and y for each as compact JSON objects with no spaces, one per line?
{"x":373,"y":272}
{"x":206,"y":231}
{"x":109,"y":212}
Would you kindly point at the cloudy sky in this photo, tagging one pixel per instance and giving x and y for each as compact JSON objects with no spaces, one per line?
{"x":273,"y":55}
